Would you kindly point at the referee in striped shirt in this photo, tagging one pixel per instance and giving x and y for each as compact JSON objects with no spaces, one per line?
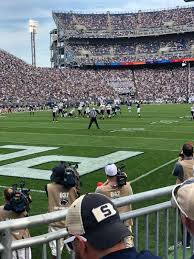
{"x":93,"y":118}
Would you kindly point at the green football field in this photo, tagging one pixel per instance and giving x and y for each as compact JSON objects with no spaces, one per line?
{"x":159,"y":134}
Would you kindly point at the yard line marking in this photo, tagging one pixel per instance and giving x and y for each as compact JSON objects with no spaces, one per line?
{"x":75,"y":145}
{"x":153,"y":170}
{"x":96,"y":136}
{"x":105,"y":129}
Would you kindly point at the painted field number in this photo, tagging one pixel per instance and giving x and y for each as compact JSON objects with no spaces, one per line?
{"x":24,"y":168}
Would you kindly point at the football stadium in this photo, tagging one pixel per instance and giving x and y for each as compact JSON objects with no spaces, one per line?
{"x":135,"y":72}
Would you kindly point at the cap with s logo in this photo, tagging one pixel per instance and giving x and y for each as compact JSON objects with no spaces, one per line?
{"x":95,"y":217}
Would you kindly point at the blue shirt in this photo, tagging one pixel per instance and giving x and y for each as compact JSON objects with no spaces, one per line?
{"x":131,"y":253}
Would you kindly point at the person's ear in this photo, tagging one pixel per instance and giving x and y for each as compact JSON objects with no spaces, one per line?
{"x":80,"y":244}
{"x":184,"y":219}
{"x":188,"y":223}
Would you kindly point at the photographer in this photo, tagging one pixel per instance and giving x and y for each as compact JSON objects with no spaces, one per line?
{"x":15,"y":207}
{"x":61,"y":193}
{"x":117,"y":186}
{"x":184,"y":170}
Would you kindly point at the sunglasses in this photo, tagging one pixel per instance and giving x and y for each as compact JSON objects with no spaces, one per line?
{"x":69,"y":242}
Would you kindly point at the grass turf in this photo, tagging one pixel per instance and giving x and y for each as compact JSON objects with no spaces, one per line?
{"x":159,"y":133}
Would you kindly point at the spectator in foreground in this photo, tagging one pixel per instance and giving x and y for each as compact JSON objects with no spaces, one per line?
{"x":182,"y":197}
{"x":96,"y":230}
{"x":61,"y":192}
{"x":183,"y":171}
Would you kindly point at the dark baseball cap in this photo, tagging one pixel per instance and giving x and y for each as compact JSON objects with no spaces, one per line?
{"x":188,"y":149}
{"x":95,"y":217}
{"x":58,"y":174}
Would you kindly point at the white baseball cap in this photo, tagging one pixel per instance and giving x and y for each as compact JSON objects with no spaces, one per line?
{"x":111,"y":170}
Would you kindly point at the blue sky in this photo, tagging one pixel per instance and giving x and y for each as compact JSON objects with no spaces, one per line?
{"x":14,"y":16}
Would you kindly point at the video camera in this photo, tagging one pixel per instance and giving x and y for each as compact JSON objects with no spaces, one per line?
{"x":72,"y":168}
{"x":121,"y":176}
{"x":20,"y":199}
{"x":66,"y":174}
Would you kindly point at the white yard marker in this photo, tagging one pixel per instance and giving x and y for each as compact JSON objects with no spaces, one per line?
{"x":153,"y":170}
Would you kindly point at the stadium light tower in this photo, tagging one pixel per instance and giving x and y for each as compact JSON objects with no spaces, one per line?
{"x":33,"y":26}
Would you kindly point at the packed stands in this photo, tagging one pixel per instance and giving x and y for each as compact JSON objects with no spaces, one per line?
{"x":162,"y":85}
{"x":87,"y":39}
{"x":127,"y":21}
{"x":136,"y":50}
{"x":22,"y":84}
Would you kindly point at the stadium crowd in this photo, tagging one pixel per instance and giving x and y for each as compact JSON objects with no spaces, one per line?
{"x":127,"y":21}
{"x":134,"y":50}
{"x":22,"y":84}
{"x":162,"y":85}
{"x":106,"y":38}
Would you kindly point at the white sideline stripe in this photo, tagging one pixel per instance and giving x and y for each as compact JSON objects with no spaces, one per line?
{"x":40,"y":191}
{"x":32,"y":190}
{"x":153,"y":170}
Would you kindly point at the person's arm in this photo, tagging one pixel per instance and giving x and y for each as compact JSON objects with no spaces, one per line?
{"x":46,"y":190}
{"x":75,"y":193}
{"x":72,"y":195}
{"x":130,"y":188}
{"x":178,"y":173}
{"x":130,"y":192}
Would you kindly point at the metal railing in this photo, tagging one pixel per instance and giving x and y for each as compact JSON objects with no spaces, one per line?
{"x":149,"y":224}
